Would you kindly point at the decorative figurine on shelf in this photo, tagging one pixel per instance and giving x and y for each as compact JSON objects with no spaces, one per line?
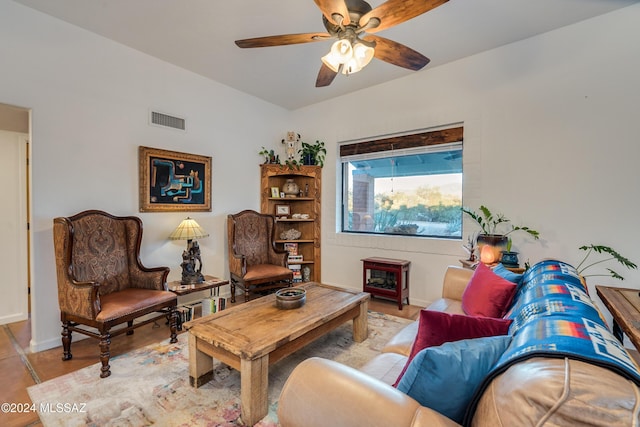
{"x":470,"y":247}
{"x":290,"y":142}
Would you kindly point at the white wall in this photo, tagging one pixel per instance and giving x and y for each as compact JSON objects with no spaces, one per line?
{"x":91,"y":99}
{"x":13,"y":226}
{"x":551,"y":140}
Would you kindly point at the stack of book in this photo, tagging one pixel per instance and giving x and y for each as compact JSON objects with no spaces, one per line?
{"x":213,"y":305}
{"x":294,"y":259}
{"x":297,"y":272}
{"x":185,"y":312}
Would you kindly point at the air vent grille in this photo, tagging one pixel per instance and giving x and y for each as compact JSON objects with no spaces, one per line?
{"x":161,"y":119}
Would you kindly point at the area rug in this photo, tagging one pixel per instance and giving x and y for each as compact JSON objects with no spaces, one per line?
{"x":150,"y":386}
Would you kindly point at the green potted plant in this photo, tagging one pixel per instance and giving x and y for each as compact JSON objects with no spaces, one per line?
{"x":495,"y":229}
{"x":270,"y":156}
{"x":509,"y":258}
{"x":609,"y":255}
{"x":312,"y":154}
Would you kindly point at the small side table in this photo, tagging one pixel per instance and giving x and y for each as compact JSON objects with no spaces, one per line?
{"x":624,"y":306}
{"x":387,"y":278}
{"x":210,"y":282}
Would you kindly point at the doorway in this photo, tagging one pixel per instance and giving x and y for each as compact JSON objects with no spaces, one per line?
{"x":14,"y":216}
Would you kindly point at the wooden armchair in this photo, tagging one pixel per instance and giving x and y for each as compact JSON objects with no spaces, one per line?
{"x":254,"y":262}
{"x":101,"y":281}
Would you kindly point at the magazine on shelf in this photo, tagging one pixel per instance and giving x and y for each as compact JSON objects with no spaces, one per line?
{"x":291,"y":247}
{"x":292,"y":259}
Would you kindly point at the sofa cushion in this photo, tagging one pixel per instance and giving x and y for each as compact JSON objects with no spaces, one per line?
{"x":487,"y":294}
{"x":503,"y":272}
{"x":385,"y":367}
{"x":444,"y":378}
{"x":436,"y":328}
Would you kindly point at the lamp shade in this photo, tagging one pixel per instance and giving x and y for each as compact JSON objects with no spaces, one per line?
{"x":188,"y":230}
{"x":341,"y":51}
{"x":362,"y":55}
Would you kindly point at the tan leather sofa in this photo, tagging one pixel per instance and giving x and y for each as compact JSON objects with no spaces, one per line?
{"x":538,"y":391}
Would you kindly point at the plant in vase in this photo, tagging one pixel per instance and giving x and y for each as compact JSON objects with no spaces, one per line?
{"x":491,"y":241}
{"x":610,"y":255}
{"x":312,"y":154}
{"x":270,"y":156}
{"x":509,"y":258}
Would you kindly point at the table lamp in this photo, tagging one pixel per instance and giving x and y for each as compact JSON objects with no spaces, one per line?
{"x":189,"y":230}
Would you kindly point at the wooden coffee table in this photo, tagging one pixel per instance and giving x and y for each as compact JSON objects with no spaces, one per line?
{"x":251,"y":336}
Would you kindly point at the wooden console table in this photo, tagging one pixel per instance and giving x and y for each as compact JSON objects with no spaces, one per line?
{"x":624,"y":306}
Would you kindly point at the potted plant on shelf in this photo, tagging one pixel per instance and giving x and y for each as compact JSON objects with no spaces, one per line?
{"x":509,"y":258}
{"x":312,"y":154}
{"x":270,"y":156}
{"x":491,"y":237}
{"x":610,"y":255}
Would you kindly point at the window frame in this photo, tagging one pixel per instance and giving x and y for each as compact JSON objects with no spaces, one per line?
{"x":393,"y":146}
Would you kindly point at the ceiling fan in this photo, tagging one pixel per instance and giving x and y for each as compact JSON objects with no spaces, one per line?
{"x":350,"y":21}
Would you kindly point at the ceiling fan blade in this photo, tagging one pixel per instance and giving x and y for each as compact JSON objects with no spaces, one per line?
{"x":282,"y":40}
{"x":329,"y":7}
{"x":394,"y":12}
{"x":325,"y":76}
{"x":397,"y":54}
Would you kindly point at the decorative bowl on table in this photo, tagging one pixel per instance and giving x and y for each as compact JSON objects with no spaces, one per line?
{"x":289,"y":298}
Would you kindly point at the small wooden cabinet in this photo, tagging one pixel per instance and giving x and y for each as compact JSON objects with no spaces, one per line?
{"x":300,"y":213}
{"x":386,"y":277}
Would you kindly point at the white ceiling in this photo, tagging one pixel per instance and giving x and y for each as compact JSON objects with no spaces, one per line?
{"x":199,"y":35}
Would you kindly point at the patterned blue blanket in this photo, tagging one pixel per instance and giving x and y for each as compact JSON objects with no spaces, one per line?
{"x":553,"y":316}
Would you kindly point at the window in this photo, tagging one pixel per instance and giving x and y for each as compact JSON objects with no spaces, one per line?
{"x":406,"y":185}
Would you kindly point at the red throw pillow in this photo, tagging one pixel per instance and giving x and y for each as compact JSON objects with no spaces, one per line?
{"x":487,"y":294}
{"x":437,"y":327}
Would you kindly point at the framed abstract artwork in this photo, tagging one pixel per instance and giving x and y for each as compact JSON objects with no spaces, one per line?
{"x":173,"y":181}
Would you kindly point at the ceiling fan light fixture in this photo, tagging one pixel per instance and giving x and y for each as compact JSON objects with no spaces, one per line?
{"x":341,"y":52}
{"x":332,"y":62}
{"x":363,"y":54}
{"x":351,"y":67}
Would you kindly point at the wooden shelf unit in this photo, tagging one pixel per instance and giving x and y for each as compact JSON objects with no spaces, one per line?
{"x":309,"y":242}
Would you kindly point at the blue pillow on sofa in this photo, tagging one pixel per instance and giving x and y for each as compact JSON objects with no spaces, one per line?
{"x":502,"y":271}
{"x":445,"y":377}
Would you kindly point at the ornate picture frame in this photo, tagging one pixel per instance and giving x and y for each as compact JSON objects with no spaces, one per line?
{"x":282,"y":211}
{"x":171,"y":181}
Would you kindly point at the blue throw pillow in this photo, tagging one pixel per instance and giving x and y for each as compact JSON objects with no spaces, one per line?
{"x":445,"y":377}
{"x":502,"y":271}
